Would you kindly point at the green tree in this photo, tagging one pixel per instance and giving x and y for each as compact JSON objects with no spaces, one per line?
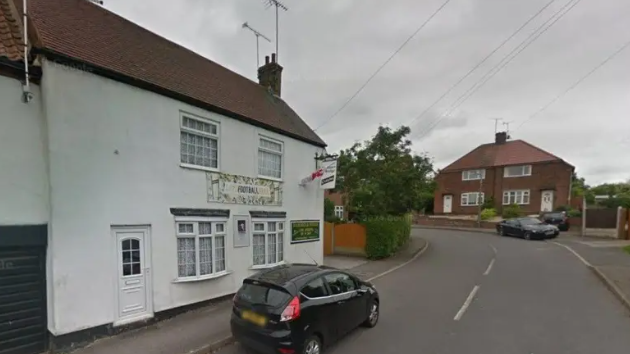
{"x":329,"y":209}
{"x":383,"y":177}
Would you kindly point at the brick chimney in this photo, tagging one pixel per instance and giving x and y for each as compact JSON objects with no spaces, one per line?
{"x":270,"y":75}
{"x":500,"y":138}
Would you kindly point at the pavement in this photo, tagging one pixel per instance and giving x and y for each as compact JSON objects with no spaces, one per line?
{"x":207,"y":330}
{"x":481,"y":293}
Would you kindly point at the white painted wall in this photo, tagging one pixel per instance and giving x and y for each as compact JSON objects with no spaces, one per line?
{"x":23,"y":175}
{"x":114,"y":156}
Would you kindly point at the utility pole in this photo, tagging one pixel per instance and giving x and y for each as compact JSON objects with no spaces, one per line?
{"x":258,"y":35}
{"x":479,"y":198}
{"x":278,"y":6}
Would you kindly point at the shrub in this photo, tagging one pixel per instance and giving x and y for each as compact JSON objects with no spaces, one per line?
{"x":572,"y":213}
{"x":511,"y":211}
{"x":563,"y":208}
{"x":386,"y":235}
{"x":488,"y":214}
{"x":488,"y":203}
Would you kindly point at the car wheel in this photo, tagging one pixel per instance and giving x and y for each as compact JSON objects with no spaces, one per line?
{"x":313,"y":345}
{"x":372,"y":319}
{"x":527,"y":236}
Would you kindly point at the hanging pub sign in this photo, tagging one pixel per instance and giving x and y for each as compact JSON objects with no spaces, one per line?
{"x":326,"y":174}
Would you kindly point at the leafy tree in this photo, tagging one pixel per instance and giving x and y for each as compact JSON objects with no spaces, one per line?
{"x":382,"y":177}
{"x":329,"y":209}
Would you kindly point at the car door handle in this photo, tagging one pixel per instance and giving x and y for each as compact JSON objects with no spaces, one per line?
{"x":341,"y":302}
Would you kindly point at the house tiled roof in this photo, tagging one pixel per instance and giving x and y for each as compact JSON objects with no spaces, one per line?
{"x":11,"y":40}
{"x":514,"y":152}
{"x":83,"y":31}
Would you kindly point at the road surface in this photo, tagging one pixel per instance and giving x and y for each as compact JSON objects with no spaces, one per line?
{"x":473,"y":293}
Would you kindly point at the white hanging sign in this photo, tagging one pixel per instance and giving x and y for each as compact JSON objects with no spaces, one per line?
{"x":329,"y":176}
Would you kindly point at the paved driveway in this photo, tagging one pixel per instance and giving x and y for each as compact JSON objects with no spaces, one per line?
{"x":474,"y":293}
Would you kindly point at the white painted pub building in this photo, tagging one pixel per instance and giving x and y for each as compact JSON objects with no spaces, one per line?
{"x":138,"y":177}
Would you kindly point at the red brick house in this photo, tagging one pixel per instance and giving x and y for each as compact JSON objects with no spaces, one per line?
{"x":511,"y":172}
{"x":340,"y":206}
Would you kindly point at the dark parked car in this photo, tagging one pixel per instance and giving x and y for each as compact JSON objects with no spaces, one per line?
{"x":527,"y":228}
{"x":300,"y":308}
{"x":559,"y":219}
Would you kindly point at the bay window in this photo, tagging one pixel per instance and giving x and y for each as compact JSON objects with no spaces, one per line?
{"x":200,"y":249}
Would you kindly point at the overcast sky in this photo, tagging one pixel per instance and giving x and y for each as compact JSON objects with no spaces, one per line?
{"x":329,"y":48}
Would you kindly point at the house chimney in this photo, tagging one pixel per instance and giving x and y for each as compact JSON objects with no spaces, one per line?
{"x":270,"y":75}
{"x":500,"y":138}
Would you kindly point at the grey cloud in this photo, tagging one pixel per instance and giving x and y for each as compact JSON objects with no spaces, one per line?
{"x":330,"y":47}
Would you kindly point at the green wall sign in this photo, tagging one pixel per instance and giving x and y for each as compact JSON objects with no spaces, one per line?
{"x":304,"y":231}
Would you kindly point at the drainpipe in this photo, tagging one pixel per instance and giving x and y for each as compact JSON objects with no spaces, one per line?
{"x":27,"y":96}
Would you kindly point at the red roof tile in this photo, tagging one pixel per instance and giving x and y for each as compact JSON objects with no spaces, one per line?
{"x":515,"y":152}
{"x":91,"y":34}
{"x":11,"y":42}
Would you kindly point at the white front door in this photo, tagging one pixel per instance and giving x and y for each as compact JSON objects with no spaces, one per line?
{"x":448,"y":204}
{"x":134,"y":292}
{"x":546,"y":201}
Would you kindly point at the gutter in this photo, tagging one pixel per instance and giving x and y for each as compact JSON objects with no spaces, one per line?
{"x":63,"y":59}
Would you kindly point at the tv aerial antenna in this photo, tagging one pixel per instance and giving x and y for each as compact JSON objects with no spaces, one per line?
{"x":278,"y":6}
{"x":258,"y":35}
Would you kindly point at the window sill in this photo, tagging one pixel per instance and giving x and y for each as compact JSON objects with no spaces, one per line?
{"x":203,"y":278}
{"x":266,"y":266}
{"x":514,"y":203}
{"x":517,"y":176}
{"x":200,"y":168}
{"x":271,"y":178}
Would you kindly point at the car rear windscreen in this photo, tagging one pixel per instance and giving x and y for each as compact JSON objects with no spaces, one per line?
{"x":263,"y":295}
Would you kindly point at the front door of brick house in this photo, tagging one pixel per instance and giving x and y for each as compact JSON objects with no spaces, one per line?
{"x":448,"y":204}
{"x":546,"y":201}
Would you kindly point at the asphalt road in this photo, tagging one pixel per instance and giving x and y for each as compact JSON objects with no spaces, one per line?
{"x":535,"y":298}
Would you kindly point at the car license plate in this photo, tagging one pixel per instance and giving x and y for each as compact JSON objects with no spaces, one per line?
{"x":549,"y":232}
{"x":254,"y":318}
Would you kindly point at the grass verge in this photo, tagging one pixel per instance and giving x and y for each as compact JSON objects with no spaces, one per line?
{"x":627,"y":249}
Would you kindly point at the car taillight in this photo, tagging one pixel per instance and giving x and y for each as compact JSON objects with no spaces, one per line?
{"x":292,"y":311}
{"x":234,"y":298}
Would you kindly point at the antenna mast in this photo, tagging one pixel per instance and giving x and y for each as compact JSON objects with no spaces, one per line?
{"x":496,"y":124}
{"x":507,"y":128}
{"x":258,"y":35}
{"x":278,"y":6}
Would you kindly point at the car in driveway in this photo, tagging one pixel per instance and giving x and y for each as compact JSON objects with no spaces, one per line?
{"x":557,"y":218}
{"x":301,"y":308}
{"x":527,"y":228}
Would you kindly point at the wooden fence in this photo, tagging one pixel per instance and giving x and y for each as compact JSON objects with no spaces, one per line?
{"x":623,"y":229}
{"x":344,"y":239}
{"x":601,"y":218}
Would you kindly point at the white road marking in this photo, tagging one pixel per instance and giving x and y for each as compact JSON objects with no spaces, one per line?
{"x":489,"y":267}
{"x":494,"y":250}
{"x":575,"y":253}
{"x":467,"y":303}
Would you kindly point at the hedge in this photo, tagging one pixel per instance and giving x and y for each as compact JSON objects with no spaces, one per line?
{"x":386,"y":235}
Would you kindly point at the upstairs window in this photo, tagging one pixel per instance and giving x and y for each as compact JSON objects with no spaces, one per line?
{"x":199,"y":143}
{"x":472,"y":199}
{"x":270,"y":158}
{"x":473,"y":175}
{"x":339,"y":211}
{"x":517,"y":171}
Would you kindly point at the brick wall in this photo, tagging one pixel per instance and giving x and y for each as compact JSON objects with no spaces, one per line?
{"x":548,"y":176}
{"x":337,"y":198}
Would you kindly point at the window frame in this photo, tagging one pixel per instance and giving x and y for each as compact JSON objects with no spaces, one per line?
{"x":321,"y":277}
{"x":477,"y":203}
{"x":357,"y":285}
{"x":265,"y":221}
{"x":523,"y":168}
{"x":216,"y":136}
{"x":339,"y":208}
{"x":195,"y":234}
{"x":466,"y":175}
{"x":281,"y":154}
{"x":515,"y":191}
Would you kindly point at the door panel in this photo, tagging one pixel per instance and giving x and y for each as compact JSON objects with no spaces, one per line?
{"x":546,"y":201}
{"x":448,"y":203}
{"x":133,"y":292}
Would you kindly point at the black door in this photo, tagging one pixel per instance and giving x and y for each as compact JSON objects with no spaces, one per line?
{"x":349,"y":303}
{"x":318,"y":310}
{"x":23,"y":323}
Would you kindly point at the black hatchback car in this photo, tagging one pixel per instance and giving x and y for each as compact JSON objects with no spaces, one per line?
{"x":527,"y":228}
{"x":559,"y":219}
{"x":300,"y":308}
